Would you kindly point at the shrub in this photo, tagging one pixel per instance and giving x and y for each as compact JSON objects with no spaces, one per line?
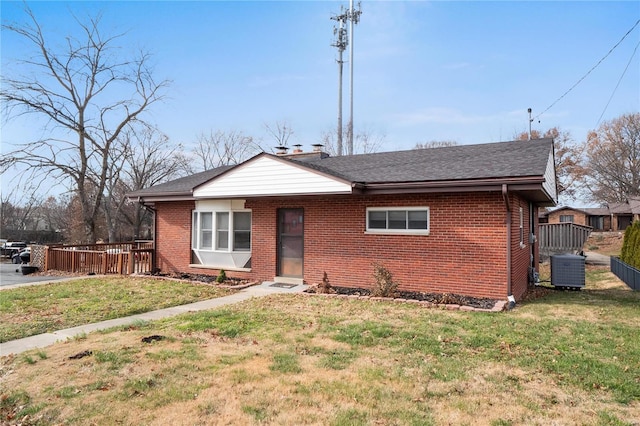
{"x":384,"y":285}
{"x":325,"y":287}
{"x":222,"y":277}
{"x":630,"y":253}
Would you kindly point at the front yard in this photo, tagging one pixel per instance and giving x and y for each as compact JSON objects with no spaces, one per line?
{"x":37,"y":309}
{"x":565,"y":358}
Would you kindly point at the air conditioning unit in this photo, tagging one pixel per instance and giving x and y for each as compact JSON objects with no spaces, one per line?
{"x":567,"y":271}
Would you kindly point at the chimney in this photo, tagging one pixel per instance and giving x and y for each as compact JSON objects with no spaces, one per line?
{"x":300,"y":155}
{"x":281,"y":150}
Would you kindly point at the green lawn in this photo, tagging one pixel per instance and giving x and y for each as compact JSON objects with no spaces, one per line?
{"x":566,"y":358}
{"x":27,"y":311}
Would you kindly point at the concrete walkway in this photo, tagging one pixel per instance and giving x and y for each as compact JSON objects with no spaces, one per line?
{"x":43,"y":340}
{"x":594,"y":258}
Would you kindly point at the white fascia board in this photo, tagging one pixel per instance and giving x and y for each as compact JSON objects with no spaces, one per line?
{"x":549,"y":183}
{"x":267,"y":176}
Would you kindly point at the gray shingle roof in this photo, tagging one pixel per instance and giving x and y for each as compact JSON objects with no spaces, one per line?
{"x":182,"y":185}
{"x":460,"y":162}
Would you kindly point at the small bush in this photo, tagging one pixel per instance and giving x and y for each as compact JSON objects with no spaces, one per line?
{"x":222,"y":277}
{"x":325,"y":286}
{"x":384,"y":285}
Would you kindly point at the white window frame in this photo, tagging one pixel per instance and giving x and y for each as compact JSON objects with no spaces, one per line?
{"x":196,"y":234}
{"x":406,"y":231}
{"x":521,"y":228}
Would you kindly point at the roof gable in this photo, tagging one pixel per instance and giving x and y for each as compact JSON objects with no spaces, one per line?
{"x":268,"y":175}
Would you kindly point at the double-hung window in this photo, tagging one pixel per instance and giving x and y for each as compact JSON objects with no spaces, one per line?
{"x":222,"y":231}
{"x":398,"y":220}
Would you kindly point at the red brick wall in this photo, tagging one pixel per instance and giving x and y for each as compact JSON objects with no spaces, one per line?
{"x":173,"y":236}
{"x":520,"y":256}
{"x":465,"y":252}
{"x":579,"y":218}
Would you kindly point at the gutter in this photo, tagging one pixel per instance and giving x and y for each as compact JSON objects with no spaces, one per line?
{"x":507,"y":205}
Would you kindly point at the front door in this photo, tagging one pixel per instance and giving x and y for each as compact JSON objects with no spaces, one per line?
{"x":290,"y":242}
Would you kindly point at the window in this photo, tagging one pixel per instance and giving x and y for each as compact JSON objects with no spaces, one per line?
{"x":522,"y":245}
{"x":222,"y":231}
{"x":241,"y":231}
{"x":566,"y":218}
{"x":206,"y":230}
{"x":398,"y":220}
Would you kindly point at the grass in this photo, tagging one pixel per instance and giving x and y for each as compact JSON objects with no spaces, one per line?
{"x":27,"y":311}
{"x":566,"y":358}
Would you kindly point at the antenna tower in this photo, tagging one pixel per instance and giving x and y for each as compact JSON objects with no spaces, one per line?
{"x":341,"y":41}
{"x":353,"y":16}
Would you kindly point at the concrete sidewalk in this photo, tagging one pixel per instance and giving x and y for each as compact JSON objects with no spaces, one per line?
{"x":43,"y":340}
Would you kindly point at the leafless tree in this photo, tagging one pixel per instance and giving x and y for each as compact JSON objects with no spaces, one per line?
{"x":147,"y":158}
{"x":19,"y":211}
{"x":434,"y":144}
{"x":366,"y":141}
{"x":221,"y":148}
{"x":281,"y":132}
{"x":612,"y":165}
{"x":568,"y":160}
{"x":81,"y":92}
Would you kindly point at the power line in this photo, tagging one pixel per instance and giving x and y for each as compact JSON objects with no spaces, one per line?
{"x":589,"y":72}
{"x":618,"y":84}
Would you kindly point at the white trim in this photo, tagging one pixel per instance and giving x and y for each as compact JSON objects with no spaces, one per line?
{"x":387,"y":231}
{"x":226,"y":268}
{"x":266,"y":176}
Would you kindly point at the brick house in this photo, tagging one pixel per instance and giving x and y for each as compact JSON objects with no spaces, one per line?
{"x":614,"y":217}
{"x":458,"y":219}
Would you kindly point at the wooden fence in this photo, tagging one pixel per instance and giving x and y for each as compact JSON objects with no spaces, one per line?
{"x":565,"y":237}
{"x":109,"y":258}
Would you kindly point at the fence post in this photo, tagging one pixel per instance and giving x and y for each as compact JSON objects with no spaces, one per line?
{"x":130,"y":264}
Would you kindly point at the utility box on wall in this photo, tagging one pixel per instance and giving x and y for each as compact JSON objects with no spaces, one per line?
{"x":567,"y":270}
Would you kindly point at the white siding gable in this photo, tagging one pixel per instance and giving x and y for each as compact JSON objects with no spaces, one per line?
{"x":264,"y":176}
{"x":549,"y":183}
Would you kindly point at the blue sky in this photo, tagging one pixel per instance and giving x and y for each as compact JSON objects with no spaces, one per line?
{"x":443,"y":70}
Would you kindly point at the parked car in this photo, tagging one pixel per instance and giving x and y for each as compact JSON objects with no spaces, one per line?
{"x":12,"y":247}
{"x":22,"y":256}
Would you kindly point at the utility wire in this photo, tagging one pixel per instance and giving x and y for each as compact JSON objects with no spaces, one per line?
{"x":589,"y":72}
{"x":618,"y":84}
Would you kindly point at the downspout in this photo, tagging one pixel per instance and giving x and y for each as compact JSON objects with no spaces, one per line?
{"x":507,"y":205}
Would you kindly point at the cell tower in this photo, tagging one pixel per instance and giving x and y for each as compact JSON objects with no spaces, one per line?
{"x":354,"y":17}
{"x":341,"y":41}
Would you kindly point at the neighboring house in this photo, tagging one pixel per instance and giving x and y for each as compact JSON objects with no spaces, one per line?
{"x":615,"y":217}
{"x":458,"y":219}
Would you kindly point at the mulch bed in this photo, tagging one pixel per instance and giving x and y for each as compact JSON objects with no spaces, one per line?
{"x":435,"y":298}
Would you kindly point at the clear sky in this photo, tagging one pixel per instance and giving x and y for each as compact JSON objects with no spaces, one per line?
{"x":423,"y":70}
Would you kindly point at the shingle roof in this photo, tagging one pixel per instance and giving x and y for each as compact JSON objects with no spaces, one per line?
{"x":461,"y":162}
{"x":182,"y":185}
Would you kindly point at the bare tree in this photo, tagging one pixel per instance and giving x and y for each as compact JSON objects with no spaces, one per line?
{"x":612,"y":165}
{"x":223,"y":148}
{"x":281,"y":132}
{"x":568,"y":159}
{"x":80,"y":91}
{"x":147,"y":158}
{"x":366,"y":141}
{"x":434,"y":144}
